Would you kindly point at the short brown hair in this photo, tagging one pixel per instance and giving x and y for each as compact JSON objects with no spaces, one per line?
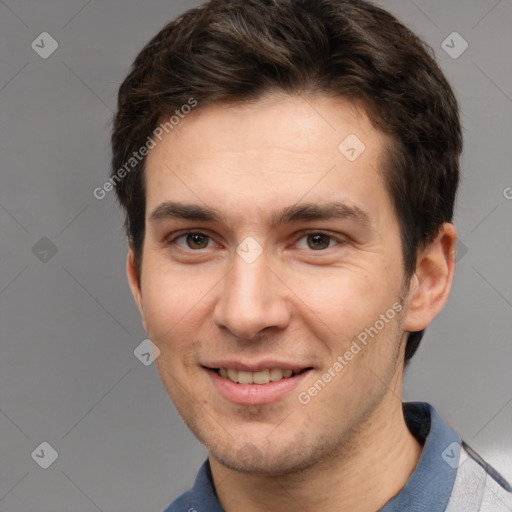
{"x":239,"y":50}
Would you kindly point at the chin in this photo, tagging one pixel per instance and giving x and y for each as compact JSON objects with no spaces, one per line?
{"x":250,"y":460}
{"x":272,"y":457}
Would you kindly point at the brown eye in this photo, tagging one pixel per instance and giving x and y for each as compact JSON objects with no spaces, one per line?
{"x":193,"y":240}
{"x":318,"y":241}
{"x":197,"y":241}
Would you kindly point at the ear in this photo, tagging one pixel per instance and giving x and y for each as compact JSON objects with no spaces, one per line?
{"x":430,"y":286}
{"x":134,"y":283}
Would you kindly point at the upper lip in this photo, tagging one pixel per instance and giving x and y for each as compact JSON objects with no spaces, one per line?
{"x":256,"y":366}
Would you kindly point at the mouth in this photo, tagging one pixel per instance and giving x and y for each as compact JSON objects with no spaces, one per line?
{"x":256,"y":383}
{"x":263,"y":386}
{"x":260,"y":377}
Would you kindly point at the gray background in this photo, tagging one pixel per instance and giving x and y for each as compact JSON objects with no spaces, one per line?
{"x":68,"y":374}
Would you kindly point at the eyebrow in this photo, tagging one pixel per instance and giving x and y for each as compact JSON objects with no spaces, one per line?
{"x":295,"y":213}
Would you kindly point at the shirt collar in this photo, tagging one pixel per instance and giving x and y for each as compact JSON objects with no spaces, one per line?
{"x":430,"y":485}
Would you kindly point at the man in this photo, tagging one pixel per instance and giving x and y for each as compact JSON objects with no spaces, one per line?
{"x":288,"y":171}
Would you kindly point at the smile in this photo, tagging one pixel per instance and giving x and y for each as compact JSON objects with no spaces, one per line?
{"x":263,"y":386}
{"x":259,"y":377}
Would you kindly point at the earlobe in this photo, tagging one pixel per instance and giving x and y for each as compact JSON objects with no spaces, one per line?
{"x":133,"y":281}
{"x":431,"y":284}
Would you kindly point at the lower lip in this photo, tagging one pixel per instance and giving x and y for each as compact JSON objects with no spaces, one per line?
{"x":255,"y":394}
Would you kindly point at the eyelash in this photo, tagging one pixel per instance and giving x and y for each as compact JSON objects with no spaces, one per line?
{"x":332,"y":238}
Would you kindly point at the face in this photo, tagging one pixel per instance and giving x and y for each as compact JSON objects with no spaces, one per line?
{"x":270,"y":251}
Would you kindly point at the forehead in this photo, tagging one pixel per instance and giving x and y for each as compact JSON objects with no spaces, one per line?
{"x":277,"y":150}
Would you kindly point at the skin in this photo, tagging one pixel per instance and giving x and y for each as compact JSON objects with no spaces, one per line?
{"x":349,"y":447}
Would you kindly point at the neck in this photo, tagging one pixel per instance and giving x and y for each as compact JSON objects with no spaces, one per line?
{"x":371,"y":467}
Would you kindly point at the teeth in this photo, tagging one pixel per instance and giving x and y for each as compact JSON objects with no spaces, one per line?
{"x":276,"y":374}
{"x":245,"y":377}
{"x":260,"y":377}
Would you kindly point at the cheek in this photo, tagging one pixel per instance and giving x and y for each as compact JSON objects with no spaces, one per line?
{"x":159,"y":306}
{"x":177,"y":310}
{"x":170,"y":292}
{"x":345,"y":300}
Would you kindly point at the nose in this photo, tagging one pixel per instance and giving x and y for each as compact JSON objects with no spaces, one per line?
{"x":251,"y":300}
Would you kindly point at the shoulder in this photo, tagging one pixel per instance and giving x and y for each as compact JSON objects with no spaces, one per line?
{"x":201,"y":497}
{"x":478,"y":486}
{"x":181,"y":503}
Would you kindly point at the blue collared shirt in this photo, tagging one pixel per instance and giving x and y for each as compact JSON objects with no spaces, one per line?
{"x":429,"y":488}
